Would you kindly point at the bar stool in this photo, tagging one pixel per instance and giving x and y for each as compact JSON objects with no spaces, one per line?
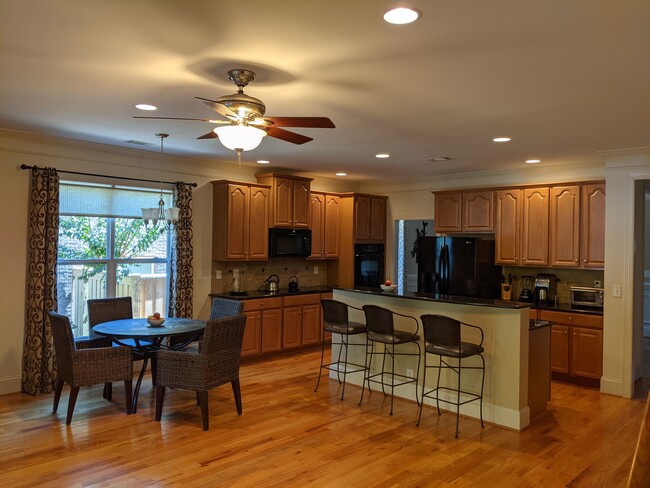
{"x":335,"y":321}
{"x":442,"y":337}
{"x":380,"y":329}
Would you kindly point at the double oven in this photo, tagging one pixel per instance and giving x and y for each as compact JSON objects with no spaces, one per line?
{"x":368,"y":265}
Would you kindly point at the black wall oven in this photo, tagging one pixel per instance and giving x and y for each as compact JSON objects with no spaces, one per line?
{"x":368,"y":265}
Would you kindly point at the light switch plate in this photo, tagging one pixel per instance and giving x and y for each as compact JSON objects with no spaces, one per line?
{"x":315,"y":269}
{"x":616,"y":291}
{"x":218,"y":274}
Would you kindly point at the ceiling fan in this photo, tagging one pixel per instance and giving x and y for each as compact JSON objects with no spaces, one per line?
{"x":245,"y":124}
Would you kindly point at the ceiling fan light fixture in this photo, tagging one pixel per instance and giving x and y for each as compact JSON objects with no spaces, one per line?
{"x":240,"y":137}
{"x":402,"y":15}
{"x":145,"y":106}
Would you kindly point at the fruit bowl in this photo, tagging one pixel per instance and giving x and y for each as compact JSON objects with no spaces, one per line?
{"x":156,"y":322}
{"x":388,"y":287}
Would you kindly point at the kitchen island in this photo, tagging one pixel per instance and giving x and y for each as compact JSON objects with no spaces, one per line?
{"x":506,"y":329}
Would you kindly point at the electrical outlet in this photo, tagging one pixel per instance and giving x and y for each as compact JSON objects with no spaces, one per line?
{"x":218,"y":274}
{"x":235,"y":273}
{"x":616,"y":291}
{"x":315,"y":269}
{"x":409,"y":372}
{"x":598,"y":284}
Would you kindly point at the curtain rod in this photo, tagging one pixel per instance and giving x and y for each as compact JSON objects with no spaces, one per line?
{"x":25,"y":166}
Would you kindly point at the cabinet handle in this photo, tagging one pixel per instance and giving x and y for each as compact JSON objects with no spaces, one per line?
{"x":570,"y":318}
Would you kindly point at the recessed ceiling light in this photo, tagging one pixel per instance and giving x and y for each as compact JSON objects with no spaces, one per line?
{"x":341,"y":174}
{"x":533,"y":161}
{"x":501,"y":139}
{"x":402,"y":15}
{"x":145,"y":106}
{"x":440,"y":159}
{"x":263,"y":161}
{"x":382,"y":155}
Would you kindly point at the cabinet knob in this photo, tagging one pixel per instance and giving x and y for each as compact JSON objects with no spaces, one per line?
{"x":524,"y":259}
{"x":566,"y":332}
{"x":584,"y":260}
{"x":576,"y":260}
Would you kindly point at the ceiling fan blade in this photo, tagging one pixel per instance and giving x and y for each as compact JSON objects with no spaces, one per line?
{"x":315,"y":122}
{"x":219,"y":108}
{"x":209,"y":135}
{"x":286,"y":135}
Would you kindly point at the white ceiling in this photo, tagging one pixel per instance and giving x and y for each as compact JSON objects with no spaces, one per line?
{"x":563,"y":78}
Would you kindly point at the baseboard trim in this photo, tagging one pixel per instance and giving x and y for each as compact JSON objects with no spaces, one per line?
{"x":10,"y":385}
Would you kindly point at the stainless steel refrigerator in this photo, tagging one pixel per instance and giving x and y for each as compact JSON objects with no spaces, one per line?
{"x":462,"y":266}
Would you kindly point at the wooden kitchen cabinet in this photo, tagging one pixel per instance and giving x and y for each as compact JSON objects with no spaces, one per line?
{"x":325,"y":210}
{"x":466,"y":211}
{"x":301,"y":321}
{"x":564,"y":226}
{"x":369,"y":218}
{"x":289,"y":200}
{"x":265,"y":335}
{"x":576,"y":346}
{"x":508,"y":226}
{"x":240,"y":221}
{"x":592,"y":239}
{"x":534,"y":231}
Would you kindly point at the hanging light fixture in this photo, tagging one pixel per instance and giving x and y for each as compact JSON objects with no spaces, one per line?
{"x":240,"y":137}
{"x":168,"y":217}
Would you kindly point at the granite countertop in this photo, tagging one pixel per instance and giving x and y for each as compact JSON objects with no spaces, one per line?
{"x":283,"y":292}
{"x":538,"y":324}
{"x":436,"y":297}
{"x":485,"y":302}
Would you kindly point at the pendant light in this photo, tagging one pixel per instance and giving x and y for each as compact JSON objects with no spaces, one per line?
{"x":167,"y":217}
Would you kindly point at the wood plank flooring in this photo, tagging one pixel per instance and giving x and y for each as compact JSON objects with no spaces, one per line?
{"x":289,"y":436}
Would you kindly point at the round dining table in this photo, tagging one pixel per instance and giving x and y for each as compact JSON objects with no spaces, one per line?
{"x":146,"y":339}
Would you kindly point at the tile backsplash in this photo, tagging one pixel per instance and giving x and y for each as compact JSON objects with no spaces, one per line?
{"x":565,"y":279}
{"x":253,"y":274}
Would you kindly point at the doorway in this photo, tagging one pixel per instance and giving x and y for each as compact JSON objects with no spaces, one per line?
{"x":406,"y":267}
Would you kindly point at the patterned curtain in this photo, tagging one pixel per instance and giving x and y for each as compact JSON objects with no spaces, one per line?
{"x":181,"y":278}
{"x":39,"y":372}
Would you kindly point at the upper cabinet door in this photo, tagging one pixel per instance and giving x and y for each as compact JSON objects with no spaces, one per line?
{"x":448,"y":212}
{"x":564,"y":228}
{"x":362,"y":218}
{"x":593,"y":226}
{"x":508,"y":226}
{"x":301,"y":213}
{"x":332,"y":240}
{"x":258,"y":232}
{"x":478,"y":213}
{"x":317,"y":208}
{"x":535,"y":227}
{"x":378,"y":219}
{"x":283,"y":202}
{"x":237,"y":222}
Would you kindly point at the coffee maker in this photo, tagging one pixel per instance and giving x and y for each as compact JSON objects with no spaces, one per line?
{"x":545,"y":288}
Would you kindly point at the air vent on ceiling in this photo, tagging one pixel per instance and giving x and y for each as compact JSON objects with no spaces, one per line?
{"x":140,"y":143}
{"x":440,"y":159}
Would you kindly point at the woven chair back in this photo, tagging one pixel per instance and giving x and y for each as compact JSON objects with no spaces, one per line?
{"x":106,"y":309}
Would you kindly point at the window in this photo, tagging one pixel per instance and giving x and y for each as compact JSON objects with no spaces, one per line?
{"x":105,"y":250}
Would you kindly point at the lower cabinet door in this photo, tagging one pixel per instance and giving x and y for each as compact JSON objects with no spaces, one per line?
{"x":252,"y":334}
{"x":271,"y":330}
{"x":311,"y":324}
{"x":587,"y":357}
{"x":560,"y":348}
{"x":291,"y":335}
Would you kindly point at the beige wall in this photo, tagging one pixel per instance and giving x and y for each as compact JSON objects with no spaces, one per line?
{"x":18,"y":148}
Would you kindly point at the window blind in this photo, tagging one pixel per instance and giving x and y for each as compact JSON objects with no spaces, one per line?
{"x":107,"y":201}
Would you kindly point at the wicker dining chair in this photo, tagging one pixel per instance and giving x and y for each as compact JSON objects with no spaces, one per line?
{"x":221,"y":307}
{"x":215,"y":364}
{"x":78,"y":364}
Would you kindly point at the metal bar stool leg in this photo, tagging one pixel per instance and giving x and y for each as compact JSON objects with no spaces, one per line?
{"x":424,"y":382}
{"x":458,"y":401}
{"x":322,"y":357}
{"x":345,"y":373}
{"x":366,"y":372}
{"x":482,"y":384}
{"x":438,"y":384}
{"x":392,"y":379}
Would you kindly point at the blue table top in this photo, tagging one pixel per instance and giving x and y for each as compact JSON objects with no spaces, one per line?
{"x":140,"y":327}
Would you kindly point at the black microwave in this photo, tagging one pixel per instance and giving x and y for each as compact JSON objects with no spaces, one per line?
{"x":289,"y":242}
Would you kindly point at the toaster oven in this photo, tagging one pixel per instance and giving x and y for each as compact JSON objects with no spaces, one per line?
{"x":582,"y":296}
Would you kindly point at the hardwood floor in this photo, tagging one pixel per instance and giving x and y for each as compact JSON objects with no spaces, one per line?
{"x":289,"y":436}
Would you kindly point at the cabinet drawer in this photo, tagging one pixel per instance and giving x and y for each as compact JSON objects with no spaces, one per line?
{"x":573,"y":318}
{"x":262,"y":304}
{"x":296,"y":300}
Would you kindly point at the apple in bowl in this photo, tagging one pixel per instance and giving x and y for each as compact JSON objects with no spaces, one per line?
{"x":388,"y":286}
{"x":155,"y":320}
